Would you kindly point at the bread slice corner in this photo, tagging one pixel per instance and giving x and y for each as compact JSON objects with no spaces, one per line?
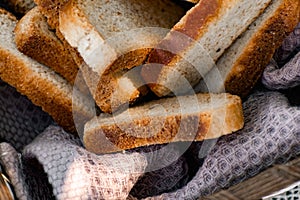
{"x":50,"y":9}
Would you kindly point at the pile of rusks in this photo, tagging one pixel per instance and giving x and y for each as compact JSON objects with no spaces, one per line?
{"x":129,"y":73}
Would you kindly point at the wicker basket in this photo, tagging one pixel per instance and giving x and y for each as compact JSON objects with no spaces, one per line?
{"x":277,"y":182}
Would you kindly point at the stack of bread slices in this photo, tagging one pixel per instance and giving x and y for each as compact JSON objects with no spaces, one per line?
{"x":159,"y":72}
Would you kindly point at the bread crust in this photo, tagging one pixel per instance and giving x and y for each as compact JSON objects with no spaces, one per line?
{"x":102,"y":138}
{"x":8,"y":14}
{"x":103,"y":78}
{"x":194,"y":25}
{"x":41,"y":85}
{"x":248,"y":69}
{"x":109,"y":81}
{"x":103,"y":83}
{"x":33,"y":38}
{"x":50,"y":9}
{"x":39,"y":91}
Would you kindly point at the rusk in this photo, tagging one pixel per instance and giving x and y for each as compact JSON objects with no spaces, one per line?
{"x":50,"y":9}
{"x":241,"y":66}
{"x":196,"y":42}
{"x":34,"y":39}
{"x":185,"y":118}
{"x":88,"y":25}
{"x":39,"y":83}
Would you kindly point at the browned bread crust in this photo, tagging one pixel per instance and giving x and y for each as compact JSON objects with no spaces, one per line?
{"x":8,"y":14}
{"x":40,"y":84}
{"x":50,"y":9}
{"x":241,"y":66}
{"x":34,"y":39}
{"x":199,"y":24}
{"x":250,"y":65}
{"x":108,"y":133}
{"x":79,"y":21}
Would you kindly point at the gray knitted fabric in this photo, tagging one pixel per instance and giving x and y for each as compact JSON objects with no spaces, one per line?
{"x":289,"y":47}
{"x":271,"y":134}
{"x":75,"y":173}
{"x":55,"y":165}
{"x":276,"y":78}
{"x":20,"y":120}
{"x":284,"y":70}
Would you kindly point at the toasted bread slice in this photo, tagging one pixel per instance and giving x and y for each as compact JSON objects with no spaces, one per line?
{"x":89,"y":25}
{"x":185,"y":118}
{"x":196,"y":42}
{"x":39,"y":83}
{"x":33,"y":38}
{"x":241,"y":66}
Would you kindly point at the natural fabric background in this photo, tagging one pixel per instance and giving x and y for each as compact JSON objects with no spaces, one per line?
{"x":44,"y":162}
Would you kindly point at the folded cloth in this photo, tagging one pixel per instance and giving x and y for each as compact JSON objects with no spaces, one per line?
{"x":72,"y":172}
{"x":284,"y":70}
{"x":276,"y":78}
{"x":271,"y":135}
{"x":55,"y":165}
{"x":56,"y":161}
{"x":75,"y":173}
{"x":289,"y":47}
